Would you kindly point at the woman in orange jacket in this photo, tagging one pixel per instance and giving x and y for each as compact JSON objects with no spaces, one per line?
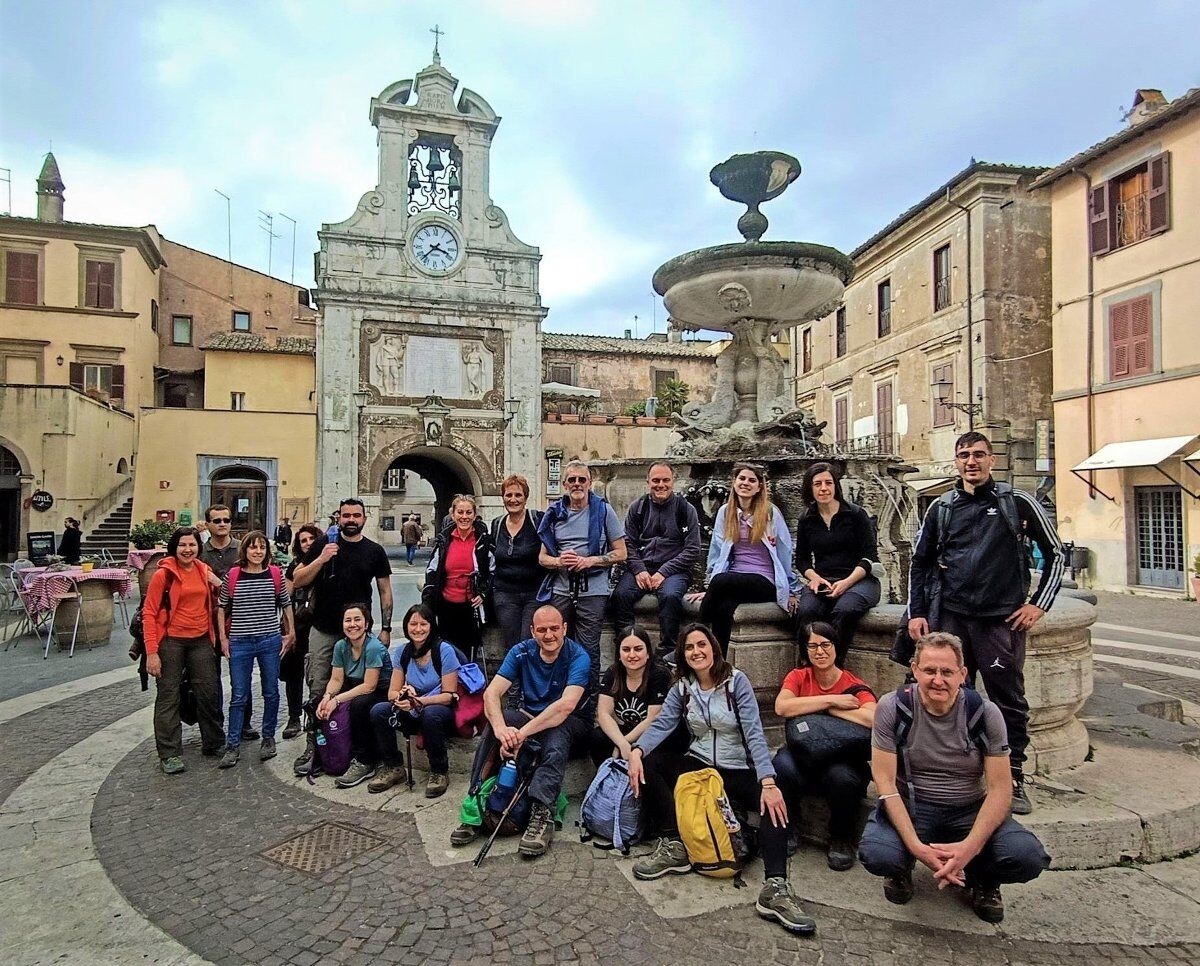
{"x":177,"y":622}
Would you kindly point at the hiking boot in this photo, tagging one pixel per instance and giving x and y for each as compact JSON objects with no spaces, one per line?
{"x":987,"y":903}
{"x":777,"y":901}
{"x":291,"y":729}
{"x":668,"y":858}
{"x":539,"y":833}
{"x":302,"y":764}
{"x":898,"y":888}
{"x":437,"y":785}
{"x":385,"y":778}
{"x":356,"y":774}
{"x":230,"y":758}
{"x":465,"y":835}
{"x":173,"y":765}
{"x":216,"y":752}
{"x":250,"y":734}
{"x":267,"y":751}
{"x":840,"y":856}
{"x":1021,"y":805}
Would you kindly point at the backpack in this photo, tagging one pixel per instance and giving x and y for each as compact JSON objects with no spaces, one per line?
{"x":234,"y":574}
{"x":730,"y":703}
{"x":707,"y":824}
{"x":469,"y":718}
{"x":333,"y":743}
{"x":610,"y":810}
{"x":906,"y":709}
{"x":137,"y":629}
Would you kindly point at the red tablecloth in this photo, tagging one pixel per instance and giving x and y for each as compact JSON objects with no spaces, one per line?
{"x":40,"y":587}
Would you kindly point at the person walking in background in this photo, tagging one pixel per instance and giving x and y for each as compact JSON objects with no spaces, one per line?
{"x":291,"y":665}
{"x":410,"y":533}
{"x":283,"y":535}
{"x":459,"y":577}
{"x":68,"y":544}
{"x":516,"y":547}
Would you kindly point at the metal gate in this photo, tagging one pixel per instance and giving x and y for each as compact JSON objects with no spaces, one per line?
{"x":1159,"y":511}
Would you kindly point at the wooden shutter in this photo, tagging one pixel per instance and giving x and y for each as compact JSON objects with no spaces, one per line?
{"x":77,"y":376}
{"x":118,"y":383}
{"x":106,"y":285}
{"x":1119,"y":327}
{"x":1141,"y":355}
{"x":841,"y":419}
{"x":1159,"y":195}
{"x":883,"y":412}
{"x":21,"y":278}
{"x":1101,"y":240}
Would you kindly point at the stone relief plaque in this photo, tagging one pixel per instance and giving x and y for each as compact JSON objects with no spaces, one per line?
{"x":401,"y":362}
{"x":434,"y":368}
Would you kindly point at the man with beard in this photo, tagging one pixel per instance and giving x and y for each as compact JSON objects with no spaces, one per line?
{"x":342,"y":570}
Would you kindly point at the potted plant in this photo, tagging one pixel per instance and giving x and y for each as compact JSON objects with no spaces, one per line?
{"x":149,"y":533}
{"x":587,"y":411}
{"x":673,"y":397}
{"x":88,"y":563}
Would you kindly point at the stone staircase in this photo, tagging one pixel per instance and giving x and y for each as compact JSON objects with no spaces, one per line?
{"x":112,"y":534}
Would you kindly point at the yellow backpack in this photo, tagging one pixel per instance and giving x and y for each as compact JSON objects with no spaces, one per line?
{"x":704,"y":814}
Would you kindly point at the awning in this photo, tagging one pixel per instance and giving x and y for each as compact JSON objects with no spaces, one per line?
{"x":1134,"y":453}
{"x":927,"y":486}
{"x":1194,"y":458}
{"x":560,"y":390}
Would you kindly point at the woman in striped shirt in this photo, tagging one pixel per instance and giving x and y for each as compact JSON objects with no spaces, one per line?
{"x":248,"y":623}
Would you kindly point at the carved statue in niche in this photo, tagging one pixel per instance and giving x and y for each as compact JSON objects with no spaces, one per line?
{"x":472,"y":369}
{"x":389,"y":364}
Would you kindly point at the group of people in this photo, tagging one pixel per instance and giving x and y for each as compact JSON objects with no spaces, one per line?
{"x":947,"y":768}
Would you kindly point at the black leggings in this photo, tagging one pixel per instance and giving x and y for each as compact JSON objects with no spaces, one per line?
{"x":291,"y":673}
{"x":725,"y":593}
{"x":663,"y":769}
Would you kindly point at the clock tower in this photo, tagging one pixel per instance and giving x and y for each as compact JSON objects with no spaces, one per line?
{"x":427,"y":349}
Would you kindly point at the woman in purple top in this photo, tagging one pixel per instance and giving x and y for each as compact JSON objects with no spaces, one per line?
{"x":750,"y":556}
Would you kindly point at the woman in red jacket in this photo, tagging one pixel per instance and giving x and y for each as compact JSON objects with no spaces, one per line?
{"x":177,"y":622}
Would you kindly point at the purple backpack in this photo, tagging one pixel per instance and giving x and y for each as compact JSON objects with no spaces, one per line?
{"x":333,"y":742}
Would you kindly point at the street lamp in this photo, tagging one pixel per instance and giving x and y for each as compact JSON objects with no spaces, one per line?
{"x":511,"y":408}
{"x":361,"y":398}
{"x":942,"y":390}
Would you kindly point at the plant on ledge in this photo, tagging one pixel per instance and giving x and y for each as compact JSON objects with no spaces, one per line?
{"x":148,"y":533}
{"x":637,"y":409}
{"x":673,"y":397}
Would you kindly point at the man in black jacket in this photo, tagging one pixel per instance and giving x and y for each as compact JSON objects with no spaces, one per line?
{"x":970,"y":577}
{"x":662,"y":534}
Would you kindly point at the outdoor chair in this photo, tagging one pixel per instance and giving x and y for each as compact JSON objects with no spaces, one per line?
{"x":73,"y":593}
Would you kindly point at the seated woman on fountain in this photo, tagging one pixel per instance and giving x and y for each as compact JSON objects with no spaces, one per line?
{"x":750,"y":556}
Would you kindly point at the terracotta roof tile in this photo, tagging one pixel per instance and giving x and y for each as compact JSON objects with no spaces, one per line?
{"x":613,"y":345}
{"x":291,"y":345}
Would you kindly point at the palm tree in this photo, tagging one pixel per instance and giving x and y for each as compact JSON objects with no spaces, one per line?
{"x":673,"y":396}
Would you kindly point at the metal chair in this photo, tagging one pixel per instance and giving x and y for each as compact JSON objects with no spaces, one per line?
{"x":59,"y":599}
{"x":12,"y":606}
{"x":121,"y":601}
{"x":18,"y":603}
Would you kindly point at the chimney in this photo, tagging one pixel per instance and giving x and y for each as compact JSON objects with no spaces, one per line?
{"x":629,"y":333}
{"x":1146,"y":103}
{"x":50,"y":189}
{"x":272,"y":335}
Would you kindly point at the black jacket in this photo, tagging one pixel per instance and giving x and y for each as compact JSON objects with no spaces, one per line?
{"x":485,"y":563}
{"x":834,"y":551}
{"x":984,"y":570}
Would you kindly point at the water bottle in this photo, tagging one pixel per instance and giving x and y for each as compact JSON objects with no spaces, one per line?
{"x":506,"y":781}
{"x":320,"y":739}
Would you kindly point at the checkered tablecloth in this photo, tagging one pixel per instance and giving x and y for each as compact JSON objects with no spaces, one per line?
{"x":138,"y":559}
{"x":42,"y":588}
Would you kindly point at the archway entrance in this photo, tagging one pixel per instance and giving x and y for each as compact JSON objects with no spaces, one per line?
{"x":244,"y":491}
{"x":425,"y":482}
{"x":10,"y":503}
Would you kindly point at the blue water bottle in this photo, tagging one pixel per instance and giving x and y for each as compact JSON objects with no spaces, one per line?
{"x":506,"y":781}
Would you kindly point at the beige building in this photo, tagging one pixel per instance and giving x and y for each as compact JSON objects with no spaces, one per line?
{"x":1126,"y":277}
{"x":945,"y":327}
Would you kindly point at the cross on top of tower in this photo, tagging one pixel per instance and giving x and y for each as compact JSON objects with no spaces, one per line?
{"x":437,"y":36}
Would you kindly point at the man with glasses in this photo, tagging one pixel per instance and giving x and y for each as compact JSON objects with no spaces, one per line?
{"x":220,"y":552}
{"x":581,"y":538}
{"x":342,"y":568}
{"x":940,"y":762}
{"x":970,"y":577}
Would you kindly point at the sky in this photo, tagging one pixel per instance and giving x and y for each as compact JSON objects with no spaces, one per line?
{"x":613,"y":113}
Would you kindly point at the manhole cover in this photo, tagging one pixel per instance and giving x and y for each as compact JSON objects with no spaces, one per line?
{"x":323,"y":847}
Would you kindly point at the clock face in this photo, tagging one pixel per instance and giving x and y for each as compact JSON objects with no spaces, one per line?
{"x":436,"y":248}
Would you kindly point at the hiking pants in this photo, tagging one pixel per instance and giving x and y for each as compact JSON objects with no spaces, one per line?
{"x":726,"y":592}
{"x":997,"y":652}
{"x":585,"y":624}
{"x":842,"y":612}
{"x":670,"y":606}
{"x":664,"y":768}
{"x":558,"y":746}
{"x":435,"y":725}
{"x":1012,"y":854}
{"x":841,"y":785}
{"x":196,"y":655}
{"x":291,"y":673}
{"x":318,"y":667}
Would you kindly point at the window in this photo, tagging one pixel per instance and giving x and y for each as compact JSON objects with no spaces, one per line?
{"x":564,"y":374}
{"x":806,"y":362}
{"x":181,"y":330}
{"x":1130,"y":339}
{"x":153,"y":315}
{"x":1133,"y":206}
{"x":941,"y":278}
{"x":840,"y":337}
{"x":841,"y":419}
{"x":661,"y":378}
{"x":175,"y":395}
{"x":21,"y":278}
{"x":237,"y":401}
{"x":884,"y":416}
{"x":394,"y":479}
{"x":100,"y":284}
{"x":100,"y":380}
{"x":943,"y":373}
{"x":241,"y":321}
{"x":883,"y":302}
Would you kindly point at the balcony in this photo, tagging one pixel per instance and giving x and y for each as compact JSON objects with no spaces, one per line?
{"x":879,"y":444}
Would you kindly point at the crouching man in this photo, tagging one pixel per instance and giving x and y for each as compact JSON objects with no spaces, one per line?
{"x":940,"y":763}
{"x":552,"y":674}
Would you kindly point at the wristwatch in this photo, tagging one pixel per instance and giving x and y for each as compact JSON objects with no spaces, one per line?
{"x":386,"y":627}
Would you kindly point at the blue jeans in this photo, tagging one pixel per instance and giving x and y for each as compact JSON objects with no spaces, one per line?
{"x":410,"y":551}
{"x":434,"y":724}
{"x":670,"y":606}
{"x":244,"y":650}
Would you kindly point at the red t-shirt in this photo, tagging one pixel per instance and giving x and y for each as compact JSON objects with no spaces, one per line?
{"x":802,"y":682}
{"x":460,"y":564}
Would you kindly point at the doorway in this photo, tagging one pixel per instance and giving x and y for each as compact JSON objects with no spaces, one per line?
{"x":10,"y":504}
{"x":244,"y":491}
{"x":436,"y":483}
{"x":1158,"y":512}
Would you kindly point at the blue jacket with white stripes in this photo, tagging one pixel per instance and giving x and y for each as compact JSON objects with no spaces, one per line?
{"x":983,"y":569}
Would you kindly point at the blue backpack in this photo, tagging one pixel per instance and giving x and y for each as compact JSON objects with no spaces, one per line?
{"x":609,"y":809}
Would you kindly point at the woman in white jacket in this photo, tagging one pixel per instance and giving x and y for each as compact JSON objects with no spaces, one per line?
{"x":750,"y":556}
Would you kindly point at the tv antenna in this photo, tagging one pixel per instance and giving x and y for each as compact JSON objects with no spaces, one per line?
{"x":266,"y":222}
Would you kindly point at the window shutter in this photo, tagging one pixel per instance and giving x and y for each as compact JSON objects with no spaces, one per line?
{"x":91,"y":285}
{"x":1141,"y":356}
{"x":1119,"y":325}
{"x":106,"y":274}
{"x":1159,"y":194}
{"x":118,"y":383}
{"x":77,"y":376}
{"x":1101,"y":242}
{"x":21,"y":278}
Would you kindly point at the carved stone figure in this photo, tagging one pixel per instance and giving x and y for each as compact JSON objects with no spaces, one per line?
{"x":472,"y":369}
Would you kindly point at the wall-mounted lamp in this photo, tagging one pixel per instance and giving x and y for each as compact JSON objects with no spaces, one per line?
{"x":361,"y":398}
{"x":59,"y":360}
{"x":511,"y":408}
{"x":942,"y":390}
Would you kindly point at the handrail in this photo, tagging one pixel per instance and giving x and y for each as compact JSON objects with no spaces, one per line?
{"x":101,"y":508}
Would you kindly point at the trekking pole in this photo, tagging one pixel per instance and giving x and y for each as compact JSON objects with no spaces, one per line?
{"x":408,"y":759}
{"x":487,"y":846}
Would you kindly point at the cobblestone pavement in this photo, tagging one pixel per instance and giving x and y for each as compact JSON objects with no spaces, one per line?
{"x":1168,"y":614}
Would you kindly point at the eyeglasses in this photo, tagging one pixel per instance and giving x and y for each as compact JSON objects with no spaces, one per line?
{"x":220,"y":520}
{"x":577,"y":479}
{"x":821,"y":646}
{"x":977,"y":454}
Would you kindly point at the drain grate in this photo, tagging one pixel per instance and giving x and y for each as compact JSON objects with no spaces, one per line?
{"x":322,"y":847}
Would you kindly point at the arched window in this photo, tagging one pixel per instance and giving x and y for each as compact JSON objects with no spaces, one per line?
{"x":122,"y":466}
{"x":244,"y":491}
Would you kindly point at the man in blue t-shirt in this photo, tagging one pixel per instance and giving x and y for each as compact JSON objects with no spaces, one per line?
{"x":552,"y":674}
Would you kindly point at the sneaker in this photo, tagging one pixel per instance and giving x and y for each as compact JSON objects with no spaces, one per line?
{"x":437,"y":785}
{"x":291,"y":729}
{"x":385,"y":778}
{"x":250,"y":734}
{"x":777,"y":901}
{"x":356,"y":774}
{"x":539,"y":833}
{"x":303,"y":764}
{"x":465,"y":835}
{"x":840,"y":856}
{"x":216,"y":752}
{"x":267,"y":751}
{"x":987,"y":903}
{"x":173,"y":765}
{"x":1021,"y":805}
{"x":230,"y":758}
{"x":898,"y":888}
{"x":668,"y":858}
